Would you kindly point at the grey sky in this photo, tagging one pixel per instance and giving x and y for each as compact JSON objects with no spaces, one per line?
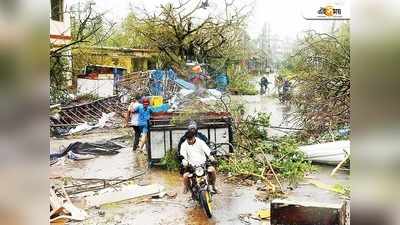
{"x":284,"y":16}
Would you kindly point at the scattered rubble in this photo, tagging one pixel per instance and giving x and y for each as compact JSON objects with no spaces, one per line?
{"x":62,"y":210}
{"x":84,"y":117}
{"x":126,"y":192}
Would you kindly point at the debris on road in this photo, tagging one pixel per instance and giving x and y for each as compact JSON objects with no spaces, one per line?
{"x":264,"y":214}
{"x":74,"y":156}
{"x":172,"y":194}
{"x":273,"y":161}
{"x":127,"y":192}
{"x":83,"y":185}
{"x":62,"y":210}
{"x":342,"y":163}
{"x":330,"y":153}
{"x":82,"y":151}
{"x":86,"y":116}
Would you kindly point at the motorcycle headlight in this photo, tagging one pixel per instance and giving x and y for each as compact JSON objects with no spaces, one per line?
{"x":199,"y":171}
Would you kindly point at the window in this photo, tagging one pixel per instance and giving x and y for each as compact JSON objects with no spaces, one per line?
{"x":137,"y":64}
{"x":57,"y":10}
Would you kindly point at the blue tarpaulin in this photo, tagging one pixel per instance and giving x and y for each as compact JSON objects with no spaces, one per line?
{"x":171,"y":74}
{"x":222,"y":81}
{"x":184,"y":84}
{"x":156,"y":85}
{"x":157,"y":81}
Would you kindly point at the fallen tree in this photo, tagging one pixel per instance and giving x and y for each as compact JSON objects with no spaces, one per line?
{"x":261,"y":158}
{"x":320,"y":74}
{"x":272,"y":161}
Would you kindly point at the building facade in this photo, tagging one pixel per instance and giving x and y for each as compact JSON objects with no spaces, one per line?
{"x":131,"y":59}
{"x":60,"y":35}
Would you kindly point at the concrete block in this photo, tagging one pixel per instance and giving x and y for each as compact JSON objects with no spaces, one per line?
{"x":286,"y":212}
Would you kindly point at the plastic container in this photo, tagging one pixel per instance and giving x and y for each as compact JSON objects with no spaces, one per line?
{"x":156,"y":101}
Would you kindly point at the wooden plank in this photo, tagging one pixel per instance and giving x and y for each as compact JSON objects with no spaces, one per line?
{"x":127,"y":192}
{"x":286,"y":212}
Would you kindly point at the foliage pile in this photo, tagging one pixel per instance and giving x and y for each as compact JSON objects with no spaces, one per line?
{"x":169,"y":161}
{"x":254,"y":150}
{"x":239,"y":84}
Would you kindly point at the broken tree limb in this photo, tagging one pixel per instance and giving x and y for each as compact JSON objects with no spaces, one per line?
{"x":340,"y":164}
{"x":273,"y":172}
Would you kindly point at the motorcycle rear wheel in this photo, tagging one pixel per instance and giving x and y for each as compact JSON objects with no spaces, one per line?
{"x":205,"y":202}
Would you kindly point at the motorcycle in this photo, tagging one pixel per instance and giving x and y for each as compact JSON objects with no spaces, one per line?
{"x":199,"y":186}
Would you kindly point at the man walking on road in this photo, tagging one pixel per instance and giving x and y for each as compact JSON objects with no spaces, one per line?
{"x":264,"y":84}
{"x":132,"y":119}
{"x":144,"y":112}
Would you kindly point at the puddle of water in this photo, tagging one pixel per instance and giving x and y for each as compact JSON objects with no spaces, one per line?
{"x":311,"y":193}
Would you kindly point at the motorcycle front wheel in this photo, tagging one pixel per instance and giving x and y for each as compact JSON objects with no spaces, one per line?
{"x":205,"y":202}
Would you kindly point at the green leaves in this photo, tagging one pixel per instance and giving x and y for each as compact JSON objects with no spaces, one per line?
{"x":253,"y":148}
{"x":320,"y":73}
{"x":169,"y":161}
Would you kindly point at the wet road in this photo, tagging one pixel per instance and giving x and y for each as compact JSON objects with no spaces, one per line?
{"x":228,"y":205}
{"x":233,"y":200}
{"x":267,"y":103}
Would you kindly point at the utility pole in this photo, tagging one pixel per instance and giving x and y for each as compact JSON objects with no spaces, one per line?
{"x":269,"y":57}
{"x":265,"y":42}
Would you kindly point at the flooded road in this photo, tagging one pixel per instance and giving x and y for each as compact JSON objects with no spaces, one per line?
{"x":233,"y":200}
{"x":267,"y":103}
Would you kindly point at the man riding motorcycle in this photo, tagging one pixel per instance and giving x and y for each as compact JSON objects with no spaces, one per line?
{"x":194,"y":152}
{"x":191,"y":128}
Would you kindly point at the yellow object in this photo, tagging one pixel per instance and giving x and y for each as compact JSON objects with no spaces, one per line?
{"x":333,"y":188}
{"x":156,"y":101}
{"x":208,"y":200}
{"x":264,"y":214}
